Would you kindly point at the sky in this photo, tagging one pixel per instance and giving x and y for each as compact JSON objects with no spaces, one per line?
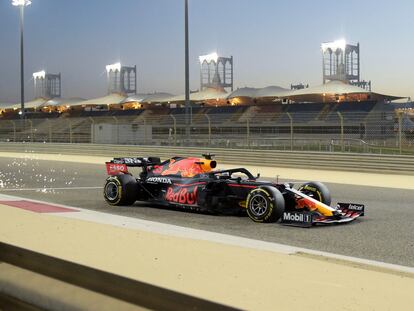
{"x":273,"y":42}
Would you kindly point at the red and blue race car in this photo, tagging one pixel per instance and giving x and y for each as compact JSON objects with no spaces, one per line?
{"x":195,"y":184}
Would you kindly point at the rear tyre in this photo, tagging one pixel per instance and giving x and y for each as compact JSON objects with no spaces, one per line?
{"x":265,"y":204}
{"x":120,"y":190}
{"x":317,"y":190}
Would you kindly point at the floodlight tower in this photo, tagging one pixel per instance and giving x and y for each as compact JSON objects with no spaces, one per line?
{"x":47,"y":85}
{"x":121,"y":79}
{"x":21,"y":4}
{"x":340,"y":61}
{"x":216,"y":71}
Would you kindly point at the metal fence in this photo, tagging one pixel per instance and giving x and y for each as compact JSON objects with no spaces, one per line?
{"x":374,"y":132}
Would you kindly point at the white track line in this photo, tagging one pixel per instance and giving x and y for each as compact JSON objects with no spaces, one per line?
{"x":189,"y":233}
{"x":44,"y":189}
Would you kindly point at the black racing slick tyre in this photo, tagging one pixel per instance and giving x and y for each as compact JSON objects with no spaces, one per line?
{"x":120,"y":190}
{"x":265,"y":204}
{"x":317,"y":190}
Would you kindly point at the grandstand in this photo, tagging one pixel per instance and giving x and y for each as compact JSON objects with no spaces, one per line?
{"x":228,"y":125}
{"x":270,"y":109}
{"x":343,"y":106}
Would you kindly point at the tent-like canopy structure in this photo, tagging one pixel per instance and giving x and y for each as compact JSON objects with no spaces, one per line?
{"x":209,"y":94}
{"x":244,"y":92}
{"x":63,"y":102}
{"x":111,"y":99}
{"x":335,"y":91}
{"x":5,"y":106}
{"x":271,"y":91}
{"x":268,"y":91}
{"x":251,"y":96}
{"x":148,"y":98}
{"x":33,"y":104}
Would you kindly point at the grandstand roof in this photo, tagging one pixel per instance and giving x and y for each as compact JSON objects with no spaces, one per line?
{"x":63,"y":102}
{"x":5,"y":105}
{"x":332,"y":88}
{"x":134,"y":98}
{"x":207,"y":94}
{"x":268,"y":91}
{"x":244,"y":92}
{"x":148,"y":98}
{"x":271,"y":91}
{"x":110,"y":99}
{"x":35,"y":103}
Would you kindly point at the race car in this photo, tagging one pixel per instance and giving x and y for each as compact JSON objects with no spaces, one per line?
{"x":194,"y":184}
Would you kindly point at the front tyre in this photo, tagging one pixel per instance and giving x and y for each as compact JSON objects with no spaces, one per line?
{"x":265,"y":204}
{"x":316,"y":190}
{"x":120,"y":190}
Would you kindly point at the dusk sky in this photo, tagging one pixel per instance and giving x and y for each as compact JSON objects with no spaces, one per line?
{"x":273,"y":42}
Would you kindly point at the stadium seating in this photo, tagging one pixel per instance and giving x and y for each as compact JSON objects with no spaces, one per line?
{"x":269,"y":118}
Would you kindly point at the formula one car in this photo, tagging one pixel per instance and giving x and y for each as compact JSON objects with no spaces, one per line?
{"x":194,"y":184}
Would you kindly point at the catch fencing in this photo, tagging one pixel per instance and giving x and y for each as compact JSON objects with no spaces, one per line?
{"x":374,"y":132}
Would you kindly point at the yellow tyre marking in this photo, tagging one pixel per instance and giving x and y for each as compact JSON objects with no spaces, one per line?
{"x":270,"y":204}
{"x":116,"y":180}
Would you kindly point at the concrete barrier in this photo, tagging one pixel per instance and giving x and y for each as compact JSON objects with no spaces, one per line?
{"x":401,"y":164}
{"x":98,"y":281}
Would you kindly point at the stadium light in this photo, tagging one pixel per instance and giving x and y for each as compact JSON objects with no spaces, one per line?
{"x":187,"y":74}
{"x":39,"y":75}
{"x":336,"y":45}
{"x":21,"y":2}
{"x":113,"y":67}
{"x":213,"y":57}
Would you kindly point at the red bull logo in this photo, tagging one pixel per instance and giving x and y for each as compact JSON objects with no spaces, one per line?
{"x":182,"y":195}
{"x":188,"y":167}
{"x":304,"y":203}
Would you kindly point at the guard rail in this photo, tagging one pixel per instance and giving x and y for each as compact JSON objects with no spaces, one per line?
{"x":397,"y":164}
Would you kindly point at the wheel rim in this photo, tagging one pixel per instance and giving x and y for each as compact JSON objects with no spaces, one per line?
{"x":111,"y":191}
{"x":258,"y":205}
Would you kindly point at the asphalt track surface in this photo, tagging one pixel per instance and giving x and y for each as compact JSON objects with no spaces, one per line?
{"x":385,"y":234}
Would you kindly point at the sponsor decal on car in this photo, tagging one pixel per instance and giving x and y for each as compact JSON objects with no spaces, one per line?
{"x":355,"y":207}
{"x":182,"y":195}
{"x":351,"y":209}
{"x":297,"y":217}
{"x":186,"y":167}
{"x":310,"y":188}
{"x":128,"y":160}
{"x":301,"y":219}
{"x":159,"y":180}
{"x":115,"y":169}
{"x":132,"y":161}
{"x":306,"y":203}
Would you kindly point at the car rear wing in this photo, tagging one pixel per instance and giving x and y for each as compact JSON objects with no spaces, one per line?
{"x":120,"y":165}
